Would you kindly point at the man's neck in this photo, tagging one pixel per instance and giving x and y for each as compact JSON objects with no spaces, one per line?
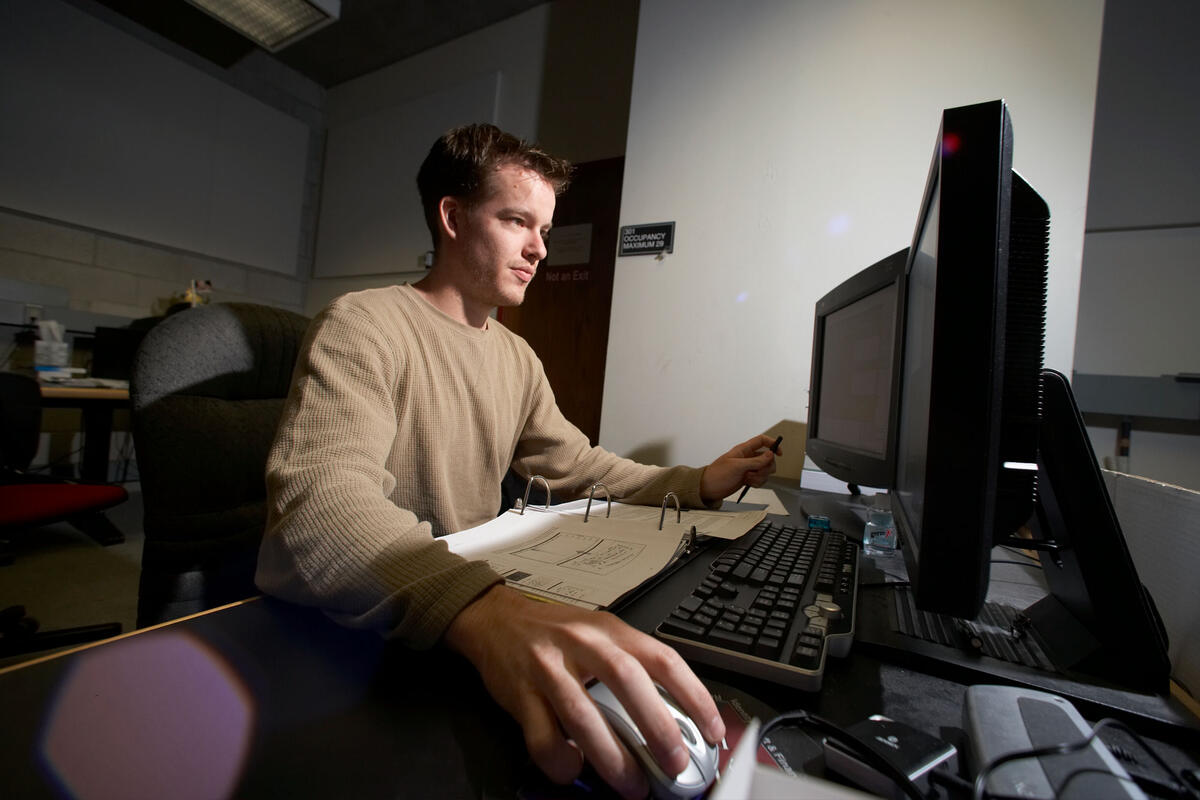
{"x":446,"y":297}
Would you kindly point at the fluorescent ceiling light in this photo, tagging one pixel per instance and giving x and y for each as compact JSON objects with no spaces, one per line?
{"x":272,"y":24}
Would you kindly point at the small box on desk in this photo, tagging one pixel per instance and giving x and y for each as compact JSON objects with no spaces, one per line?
{"x":911,"y":751}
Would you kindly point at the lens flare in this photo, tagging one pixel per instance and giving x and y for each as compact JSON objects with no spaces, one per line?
{"x":151,"y":716}
{"x":950,"y":143}
{"x":839,"y":225}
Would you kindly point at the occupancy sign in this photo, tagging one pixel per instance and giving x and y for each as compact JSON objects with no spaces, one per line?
{"x":649,"y":239}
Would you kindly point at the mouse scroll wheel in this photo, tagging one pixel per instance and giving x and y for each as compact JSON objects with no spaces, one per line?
{"x":686,"y":731}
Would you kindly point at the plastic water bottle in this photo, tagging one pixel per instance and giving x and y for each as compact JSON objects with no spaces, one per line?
{"x":879,"y":534}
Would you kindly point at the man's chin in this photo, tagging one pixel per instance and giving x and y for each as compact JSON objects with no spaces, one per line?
{"x":514,"y":298}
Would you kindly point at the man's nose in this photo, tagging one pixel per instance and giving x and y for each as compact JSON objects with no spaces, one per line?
{"x":535,"y":250}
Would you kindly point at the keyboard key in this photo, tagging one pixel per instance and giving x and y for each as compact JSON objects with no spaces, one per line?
{"x":768,"y":647}
{"x":731,"y":640}
{"x":679,"y":627}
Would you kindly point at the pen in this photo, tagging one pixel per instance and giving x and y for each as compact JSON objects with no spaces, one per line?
{"x":774,"y":449}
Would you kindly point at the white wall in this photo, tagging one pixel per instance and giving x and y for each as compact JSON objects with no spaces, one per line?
{"x":132,"y":166}
{"x":102,"y":130}
{"x":790,"y":142}
{"x":372,"y":230}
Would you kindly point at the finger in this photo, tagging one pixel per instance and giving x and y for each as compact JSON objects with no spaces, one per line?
{"x":760,"y":442}
{"x":668,"y":668}
{"x":751,"y":446}
{"x":629,"y":681}
{"x":584,"y":723}
{"x":763,"y":462}
{"x":549,"y":749}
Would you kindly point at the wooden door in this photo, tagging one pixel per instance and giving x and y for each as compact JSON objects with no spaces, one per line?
{"x":566,"y":311}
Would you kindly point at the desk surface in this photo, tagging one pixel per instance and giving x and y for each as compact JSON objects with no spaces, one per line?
{"x":83,"y":393}
{"x":267,"y":699}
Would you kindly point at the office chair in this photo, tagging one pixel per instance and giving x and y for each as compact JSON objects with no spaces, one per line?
{"x":207,"y":392}
{"x":29,"y":501}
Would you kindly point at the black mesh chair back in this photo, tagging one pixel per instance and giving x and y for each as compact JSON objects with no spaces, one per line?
{"x":207,"y":393}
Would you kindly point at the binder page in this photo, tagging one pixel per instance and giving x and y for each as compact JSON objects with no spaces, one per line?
{"x":560,"y":557}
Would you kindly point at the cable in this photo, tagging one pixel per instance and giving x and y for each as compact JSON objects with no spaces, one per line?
{"x":52,"y":464}
{"x":872,"y":758}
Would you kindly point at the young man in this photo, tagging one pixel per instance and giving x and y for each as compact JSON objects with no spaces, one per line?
{"x":408,"y":406}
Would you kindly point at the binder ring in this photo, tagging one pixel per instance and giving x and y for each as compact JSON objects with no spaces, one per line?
{"x":663,"y":515}
{"x":686,"y":543}
{"x":607,"y":496}
{"x":529,"y":486}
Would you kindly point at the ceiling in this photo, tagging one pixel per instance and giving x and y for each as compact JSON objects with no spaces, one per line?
{"x":370,"y":33}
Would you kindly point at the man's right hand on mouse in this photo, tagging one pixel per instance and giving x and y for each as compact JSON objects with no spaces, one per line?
{"x":535,"y":658}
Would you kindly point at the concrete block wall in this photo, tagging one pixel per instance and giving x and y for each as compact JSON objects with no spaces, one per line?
{"x":113,"y":275}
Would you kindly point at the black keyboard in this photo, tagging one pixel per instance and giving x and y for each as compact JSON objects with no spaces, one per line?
{"x":1000,"y":631}
{"x":774,"y":606}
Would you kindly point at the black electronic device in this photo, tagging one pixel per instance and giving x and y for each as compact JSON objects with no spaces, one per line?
{"x":113,"y":351}
{"x":1006,"y":721}
{"x":776,"y":605}
{"x":1098,"y":618}
{"x":974,"y":320}
{"x":912,"y":752}
{"x":979,"y":420}
{"x":854,"y":382}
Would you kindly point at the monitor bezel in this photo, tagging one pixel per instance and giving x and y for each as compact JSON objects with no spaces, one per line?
{"x":856,"y":466}
{"x":971,"y":177}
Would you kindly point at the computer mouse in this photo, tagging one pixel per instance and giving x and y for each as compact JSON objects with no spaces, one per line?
{"x":702,"y":757}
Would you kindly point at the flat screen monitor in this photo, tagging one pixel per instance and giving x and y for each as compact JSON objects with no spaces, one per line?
{"x":855,"y":379}
{"x":968,"y":412}
{"x":988,"y":444}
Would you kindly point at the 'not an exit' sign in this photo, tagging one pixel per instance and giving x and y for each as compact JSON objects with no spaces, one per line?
{"x":647,"y":239}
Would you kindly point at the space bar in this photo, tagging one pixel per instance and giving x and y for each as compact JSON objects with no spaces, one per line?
{"x":730,"y":640}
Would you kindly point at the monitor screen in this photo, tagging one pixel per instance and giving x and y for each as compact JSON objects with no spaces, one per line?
{"x":852,"y":391}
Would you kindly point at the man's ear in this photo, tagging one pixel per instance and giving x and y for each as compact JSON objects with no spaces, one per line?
{"x":449,"y":209}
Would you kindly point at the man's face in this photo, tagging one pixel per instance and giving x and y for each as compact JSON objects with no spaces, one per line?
{"x":501,"y":238}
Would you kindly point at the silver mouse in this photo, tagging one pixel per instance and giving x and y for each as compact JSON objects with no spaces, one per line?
{"x":702,"y":757}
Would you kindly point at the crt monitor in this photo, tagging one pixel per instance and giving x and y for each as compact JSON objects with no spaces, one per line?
{"x":976,"y":459}
{"x":854,"y":381}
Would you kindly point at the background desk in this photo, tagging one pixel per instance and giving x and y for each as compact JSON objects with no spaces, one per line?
{"x":97,"y":406}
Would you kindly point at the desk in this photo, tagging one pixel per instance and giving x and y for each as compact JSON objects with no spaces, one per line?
{"x":97,"y":406}
{"x":262,"y":698}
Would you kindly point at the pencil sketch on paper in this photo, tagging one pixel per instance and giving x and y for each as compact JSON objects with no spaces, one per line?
{"x":592,"y":554}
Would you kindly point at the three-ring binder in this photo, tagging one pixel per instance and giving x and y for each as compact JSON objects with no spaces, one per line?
{"x":686,"y":542}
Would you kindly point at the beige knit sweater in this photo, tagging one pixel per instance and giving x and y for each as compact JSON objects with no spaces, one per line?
{"x":399,"y":427}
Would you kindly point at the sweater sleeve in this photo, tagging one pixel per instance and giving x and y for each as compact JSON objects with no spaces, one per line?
{"x":334,"y":538}
{"x":552,"y":447}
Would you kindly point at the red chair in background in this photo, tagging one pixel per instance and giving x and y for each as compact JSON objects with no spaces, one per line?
{"x":29,"y":501}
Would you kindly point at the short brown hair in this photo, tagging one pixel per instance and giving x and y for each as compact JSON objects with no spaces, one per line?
{"x":460,"y":161}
